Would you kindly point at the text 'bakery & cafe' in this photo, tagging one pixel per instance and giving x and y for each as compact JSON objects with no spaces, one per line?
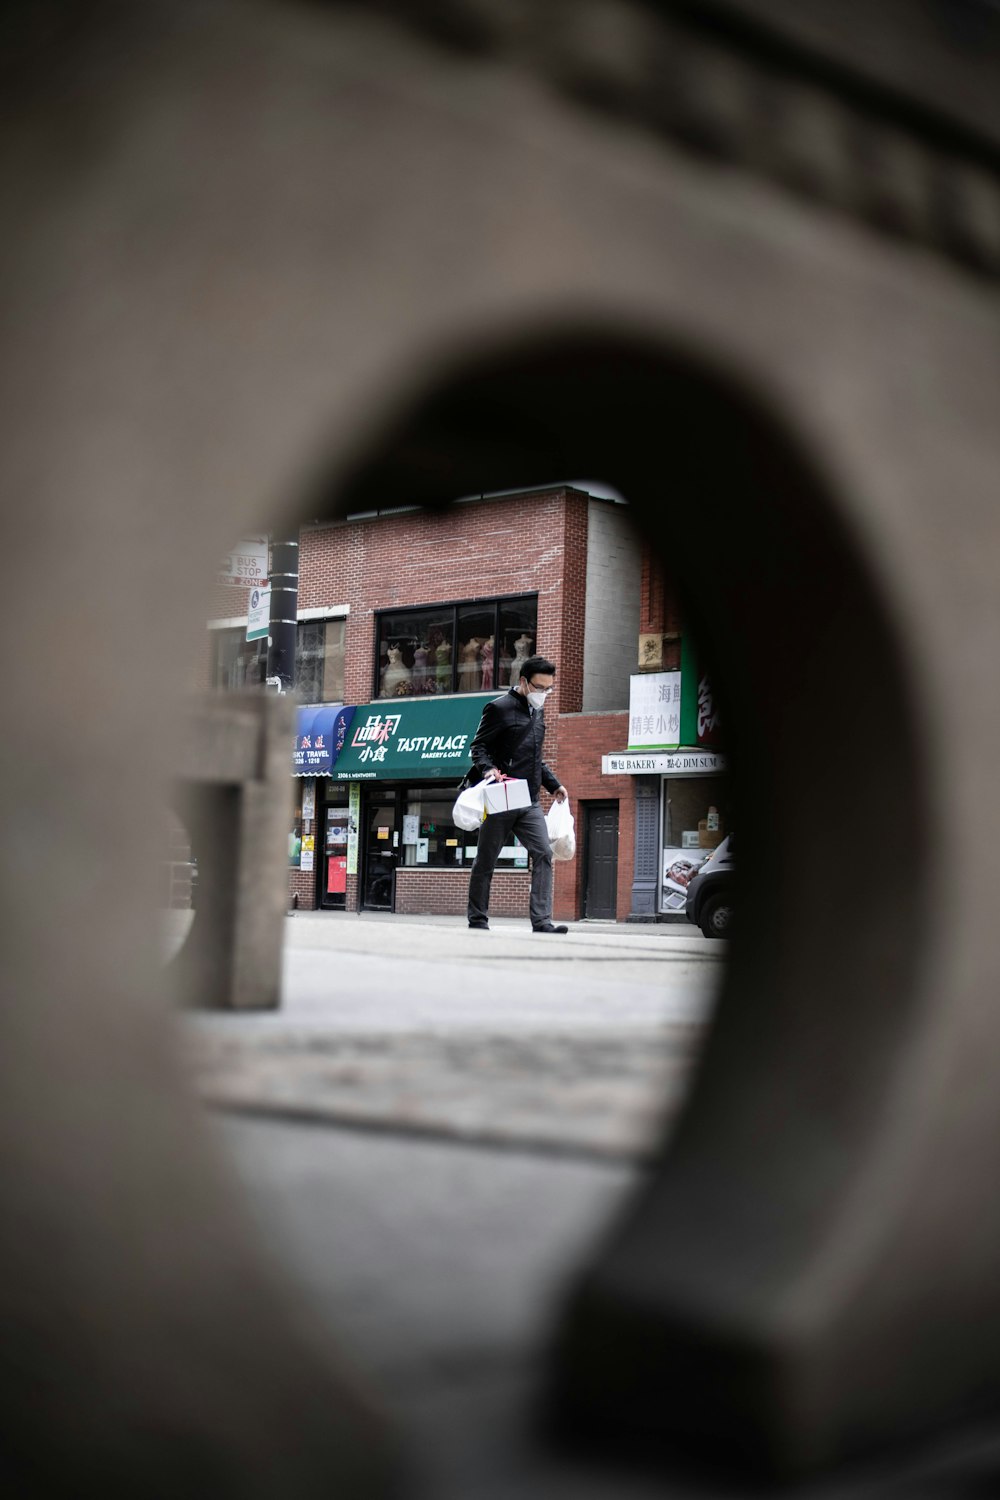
{"x":378,"y":782}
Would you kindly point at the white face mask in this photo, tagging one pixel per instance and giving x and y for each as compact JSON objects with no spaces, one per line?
{"x":537,"y":700}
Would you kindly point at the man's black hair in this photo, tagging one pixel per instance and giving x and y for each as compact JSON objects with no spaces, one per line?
{"x":538,"y":664}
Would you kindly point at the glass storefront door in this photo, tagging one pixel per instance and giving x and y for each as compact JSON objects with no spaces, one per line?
{"x":333,"y":872}
{"x":381,"y":849}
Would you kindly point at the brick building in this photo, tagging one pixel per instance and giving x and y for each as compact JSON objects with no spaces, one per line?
{"x":409,"y":620}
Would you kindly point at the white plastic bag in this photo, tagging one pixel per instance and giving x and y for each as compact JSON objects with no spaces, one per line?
{"x":562,"y":832}
{"x":470,"y":807}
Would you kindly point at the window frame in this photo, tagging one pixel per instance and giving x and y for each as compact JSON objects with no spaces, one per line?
{"x":218,"y":633}
{"x":468,"y":842}
{"x":494,"y":601}
{"x":222,"y":626}
{"x":313,"y":619}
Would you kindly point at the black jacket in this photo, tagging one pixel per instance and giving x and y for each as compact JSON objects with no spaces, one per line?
{"x":510,"y":738}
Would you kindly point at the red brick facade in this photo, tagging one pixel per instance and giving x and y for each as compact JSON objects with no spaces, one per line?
{"x":522,"y":544}
{"x":531,"y":543}
{"x":445,"y":892}
{"x":584,"y":739}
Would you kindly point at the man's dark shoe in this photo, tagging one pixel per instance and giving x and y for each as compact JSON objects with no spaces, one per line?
{"x":480,"y":926}
{"x":550,"y":927}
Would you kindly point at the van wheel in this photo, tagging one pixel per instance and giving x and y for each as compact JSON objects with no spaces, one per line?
{"x":717,"y":917}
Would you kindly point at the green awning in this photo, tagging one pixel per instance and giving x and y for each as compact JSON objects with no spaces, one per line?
{"x":413,"y":740}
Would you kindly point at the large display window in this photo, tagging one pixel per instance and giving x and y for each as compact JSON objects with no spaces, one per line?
{"x":239,"y":664}
{"x":695,"y":821}
{"x":453,"y":648}
{"x":319,"y":661}
{"x":430,"y":838}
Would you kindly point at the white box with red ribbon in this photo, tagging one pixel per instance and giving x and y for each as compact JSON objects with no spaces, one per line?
{"x":507,"y":795}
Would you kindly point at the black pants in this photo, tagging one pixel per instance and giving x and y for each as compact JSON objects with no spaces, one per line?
{"x":528,"y":824}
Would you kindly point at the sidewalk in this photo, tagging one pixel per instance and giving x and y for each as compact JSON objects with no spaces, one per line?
{"x":577,"y":1044}
{"x":432,"y":1130}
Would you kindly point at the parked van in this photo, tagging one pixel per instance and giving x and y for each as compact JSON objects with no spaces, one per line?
{"x":709,"y":902}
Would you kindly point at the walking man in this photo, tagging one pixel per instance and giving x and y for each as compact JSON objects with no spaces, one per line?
{"x":509,"y":742}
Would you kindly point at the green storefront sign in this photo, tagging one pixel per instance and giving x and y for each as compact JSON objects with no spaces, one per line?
{"x":415,"y":740}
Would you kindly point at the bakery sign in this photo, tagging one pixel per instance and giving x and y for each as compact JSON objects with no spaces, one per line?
{"x":664,"y":763}
{"x":397,"y":740}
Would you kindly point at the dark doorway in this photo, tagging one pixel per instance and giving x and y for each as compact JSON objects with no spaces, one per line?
{"x":600,"y":896}
{"x":381,"y":848}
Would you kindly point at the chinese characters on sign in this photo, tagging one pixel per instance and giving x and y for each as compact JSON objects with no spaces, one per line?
{"x":386,"y":745}
{"x":353,"y":820}
{"x":654,"y":711}
{"x":708,"y":714}
{"x":372,"y":736}
{"x":676,"y":763}
{"x":320,"y":732}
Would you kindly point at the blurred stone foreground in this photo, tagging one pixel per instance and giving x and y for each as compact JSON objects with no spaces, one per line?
{"x":739,"y":261}
{"x":433,"y":1131}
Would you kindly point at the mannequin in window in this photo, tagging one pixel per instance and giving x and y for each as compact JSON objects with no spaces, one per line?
{"x":420,"y":674}
{"x":522,"y":650}
{"x":442,"y":666}
{"x":468,"y":665}
{"x":396,"y":677}
{"x":486,"y":657}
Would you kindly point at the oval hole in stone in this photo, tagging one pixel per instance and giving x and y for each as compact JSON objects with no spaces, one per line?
{"x":789,"y":1086}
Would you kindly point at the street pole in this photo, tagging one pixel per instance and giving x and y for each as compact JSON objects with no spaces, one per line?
{"x":284,"y":582}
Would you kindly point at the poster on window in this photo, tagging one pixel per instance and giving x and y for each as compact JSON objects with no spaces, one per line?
{"x":353,"y":819}
{"x":680,"y":866}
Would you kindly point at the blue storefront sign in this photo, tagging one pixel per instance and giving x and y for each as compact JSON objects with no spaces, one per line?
{"x":320,"y":732}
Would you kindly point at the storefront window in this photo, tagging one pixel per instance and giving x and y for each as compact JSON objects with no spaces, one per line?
{"x":430,"y":836}
{"x":295,"y":835}
{"x":453,"y":648}
{"x":416,"y":653}
{"x":476,"y":648}
{"x":516,"y":639}
{"x":319,"y":661}
{"x":237,"y":663}
{"x":695,"y":821}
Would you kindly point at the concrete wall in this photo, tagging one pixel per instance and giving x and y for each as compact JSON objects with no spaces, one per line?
{"x":614,"y":574}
